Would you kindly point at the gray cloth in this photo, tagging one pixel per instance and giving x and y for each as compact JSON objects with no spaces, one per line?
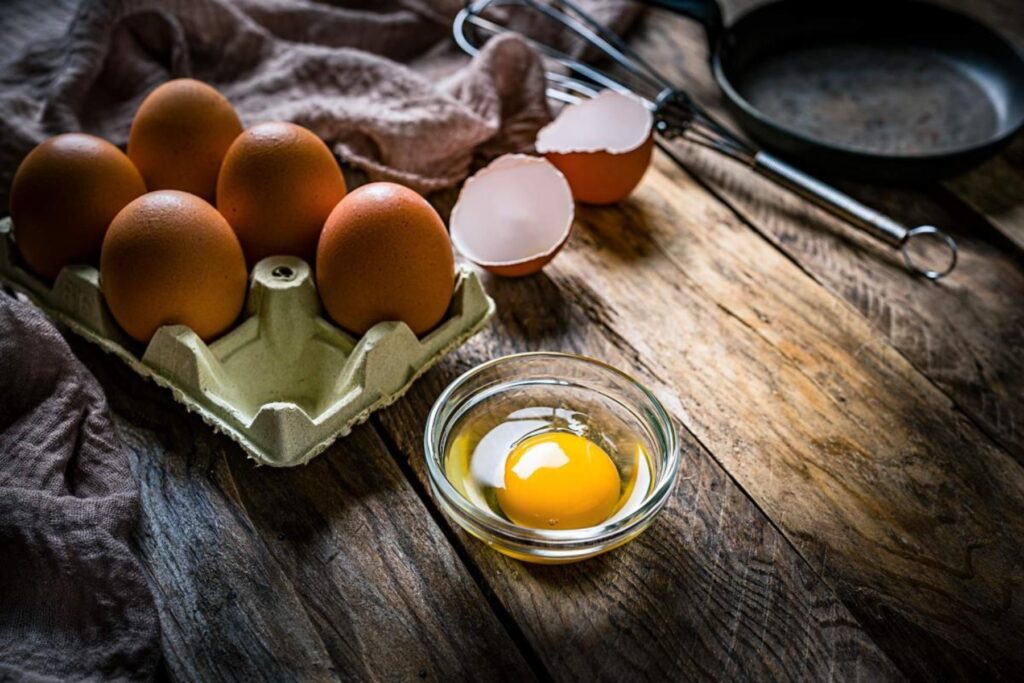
{"x":88,"y":65}
{"x":85,"y":65}
{"x":73,"y":600}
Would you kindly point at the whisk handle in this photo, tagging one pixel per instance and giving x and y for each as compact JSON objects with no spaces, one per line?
{"x":842,"y":205}
{"x":707,"y":12}
{"x":829,"y":198}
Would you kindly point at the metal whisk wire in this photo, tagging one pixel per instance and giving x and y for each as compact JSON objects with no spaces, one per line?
{"x":676,"y":114}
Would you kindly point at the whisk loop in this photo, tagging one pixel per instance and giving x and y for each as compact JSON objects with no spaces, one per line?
{"x":676,"y":114}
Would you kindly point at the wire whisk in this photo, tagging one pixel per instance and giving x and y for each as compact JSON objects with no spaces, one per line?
{"x":676,"y":114}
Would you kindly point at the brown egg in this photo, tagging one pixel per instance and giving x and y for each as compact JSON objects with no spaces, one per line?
{"x":64,"y":195}
{"x":602,"y":145}
{"x":179,"y":136}
{"x":170,"y":258}
{"x":385,"y":255}
{"x":604,"y":177}
{"x":278,"y":184}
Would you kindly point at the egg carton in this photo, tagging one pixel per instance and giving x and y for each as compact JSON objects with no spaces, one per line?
{"x":284,"y":383}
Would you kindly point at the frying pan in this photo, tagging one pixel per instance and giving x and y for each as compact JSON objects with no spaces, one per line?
{"x":898,"y":90}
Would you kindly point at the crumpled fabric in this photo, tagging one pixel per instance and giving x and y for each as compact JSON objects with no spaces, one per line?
{"x":74,"y":603}
{"x":385,"y":88}
{"x":388,"y":92}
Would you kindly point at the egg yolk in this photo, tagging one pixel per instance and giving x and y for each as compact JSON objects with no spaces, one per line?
{"x":559,"y":480}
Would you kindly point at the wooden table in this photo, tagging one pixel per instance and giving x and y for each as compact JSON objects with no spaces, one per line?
{"x":851,"y":499}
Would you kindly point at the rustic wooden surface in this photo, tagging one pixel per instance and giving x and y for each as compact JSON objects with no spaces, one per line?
{"x":851,"y":499}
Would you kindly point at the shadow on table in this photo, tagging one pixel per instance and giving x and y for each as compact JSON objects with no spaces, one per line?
{"x":621,"y":232}
{"x":532,"y":309}
{"x":184,"y":447}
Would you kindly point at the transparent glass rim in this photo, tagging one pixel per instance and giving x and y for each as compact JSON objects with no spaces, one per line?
{"x":664,"y":433}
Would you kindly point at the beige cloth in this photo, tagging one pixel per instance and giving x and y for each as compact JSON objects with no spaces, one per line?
{"x":87,"y":65}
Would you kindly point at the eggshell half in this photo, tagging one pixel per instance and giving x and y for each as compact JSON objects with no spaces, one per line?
{"x":513,"y":216}
{"x":603,"y":145}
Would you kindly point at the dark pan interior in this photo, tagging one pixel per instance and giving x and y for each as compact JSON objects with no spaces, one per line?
{"x":893,"y":79}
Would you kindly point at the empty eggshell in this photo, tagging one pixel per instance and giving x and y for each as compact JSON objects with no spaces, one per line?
{"x":513,"y":216}
{"x":603,"y":145}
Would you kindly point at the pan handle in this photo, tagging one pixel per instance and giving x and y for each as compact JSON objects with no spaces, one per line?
{"x":707,"y":12}
{"x":874,"y":223}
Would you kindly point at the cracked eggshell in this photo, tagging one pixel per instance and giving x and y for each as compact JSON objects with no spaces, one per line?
{"x":513,"y":216}
{"x":603,"y":145}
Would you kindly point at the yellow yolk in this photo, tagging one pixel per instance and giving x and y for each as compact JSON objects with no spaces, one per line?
{"x":559,"y":480}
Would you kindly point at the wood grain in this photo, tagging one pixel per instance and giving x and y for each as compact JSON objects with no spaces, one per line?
{"x":712,"y":591}
{"x":333,"y":571}
{"x":848,"y":507}
{"x":996,"y":190}
{"x":910,"y":512}
{"x":966,"y":334}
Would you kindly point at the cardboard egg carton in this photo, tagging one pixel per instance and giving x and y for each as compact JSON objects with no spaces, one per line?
{"x":285,"y":382}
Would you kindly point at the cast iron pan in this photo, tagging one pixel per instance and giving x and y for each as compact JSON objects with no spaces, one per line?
{"x":897,"y":90}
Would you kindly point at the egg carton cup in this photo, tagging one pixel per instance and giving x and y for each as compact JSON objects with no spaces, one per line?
{"x":285,"y":382}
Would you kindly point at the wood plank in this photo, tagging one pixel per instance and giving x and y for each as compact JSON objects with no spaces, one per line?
{"x":966,"y":333}
{"x":1003,"y":16}
{"x":910,"y":512}
{"x":996,"y":190}
{"x":382,"y":584}
{"x":712,"y":591}
{"x":330,"y":571}
{"x":243,"y":621}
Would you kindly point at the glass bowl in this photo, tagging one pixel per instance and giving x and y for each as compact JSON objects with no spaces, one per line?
{"x":533,"y":377}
